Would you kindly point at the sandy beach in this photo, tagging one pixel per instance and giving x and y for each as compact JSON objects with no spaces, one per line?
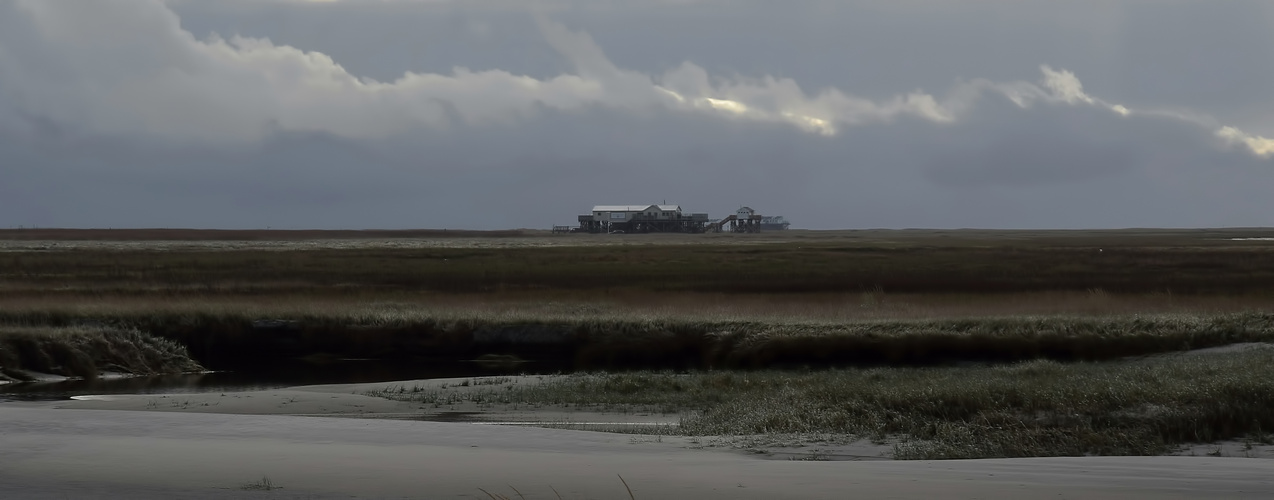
{"x":302,"y":440}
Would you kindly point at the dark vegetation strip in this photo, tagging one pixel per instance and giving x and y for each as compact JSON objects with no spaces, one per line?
{"x":87,"y":352}
{"x":230,"y":340}
{"x":1032,"y":409}
{"x":761,"y":268}
{"x":160,"y":234}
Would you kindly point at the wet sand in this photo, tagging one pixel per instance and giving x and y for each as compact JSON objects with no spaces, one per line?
{"x":220,"y":446}
{"x":351,"y":400}
{"x":52,"y":453}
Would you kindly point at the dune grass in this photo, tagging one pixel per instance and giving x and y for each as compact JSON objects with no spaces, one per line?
{"x":1144,"y":406}
{"x":87,"y":351}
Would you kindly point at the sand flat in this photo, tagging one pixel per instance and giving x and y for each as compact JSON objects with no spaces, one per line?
{"x":53,"y":453}
{"x":351,"y":400}
{"x":211,"y":445}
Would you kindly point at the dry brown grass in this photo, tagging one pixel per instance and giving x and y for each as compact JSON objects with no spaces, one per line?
{"x":793,"y":300}
{"x":166,"y":234}
{"x":580,"y":339}
{"x":86,"y":351}
{"x":836,"y":266}
{"x":377,"y":301}
{"x":630,"y":305}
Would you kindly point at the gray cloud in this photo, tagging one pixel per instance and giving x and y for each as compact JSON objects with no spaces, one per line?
{"x":198,"y":114}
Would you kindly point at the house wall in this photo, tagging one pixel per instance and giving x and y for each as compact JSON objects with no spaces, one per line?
{"x":614,"y":217}
{"x":652,"y":212}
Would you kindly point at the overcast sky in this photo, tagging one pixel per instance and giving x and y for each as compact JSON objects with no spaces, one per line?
{"x":492,"y":114}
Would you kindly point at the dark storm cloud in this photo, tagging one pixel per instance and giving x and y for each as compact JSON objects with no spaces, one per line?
{"x":354,"y":114}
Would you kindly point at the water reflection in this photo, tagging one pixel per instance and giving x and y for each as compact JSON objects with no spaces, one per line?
{"x":283,"y":375}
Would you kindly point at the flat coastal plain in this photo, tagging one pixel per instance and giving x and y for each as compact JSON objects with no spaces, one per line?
{"x":1077,"y":303}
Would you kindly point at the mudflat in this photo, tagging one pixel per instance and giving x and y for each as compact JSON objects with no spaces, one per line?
{"x":53,"y":453}
{"x":269,"y":444}
{"x":1048,"y":301}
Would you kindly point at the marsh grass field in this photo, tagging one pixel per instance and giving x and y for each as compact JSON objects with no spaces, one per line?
{"x":951,"y":344}
{"x":1146,"y":406}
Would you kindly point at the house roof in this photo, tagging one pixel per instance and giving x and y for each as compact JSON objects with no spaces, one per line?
{"x":635,"y":208}
{"x":620,"y":208}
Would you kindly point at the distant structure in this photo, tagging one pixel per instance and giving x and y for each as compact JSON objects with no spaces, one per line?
{"x":614,"y":219}
{"x":774,"y":223}
{"x":744,"y":220}
{"x":641,"y":219}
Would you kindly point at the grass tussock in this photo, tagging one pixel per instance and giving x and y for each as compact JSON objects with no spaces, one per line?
{"x":88,"y":351}
{"x":265,"y":484}
{"x":1037,"y":408}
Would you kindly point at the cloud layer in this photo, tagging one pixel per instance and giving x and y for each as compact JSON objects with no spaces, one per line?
{"x":120,"y":89}
{"x":160,"y":81}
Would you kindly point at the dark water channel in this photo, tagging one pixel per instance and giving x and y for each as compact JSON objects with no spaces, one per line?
{"x":286,"y":374}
